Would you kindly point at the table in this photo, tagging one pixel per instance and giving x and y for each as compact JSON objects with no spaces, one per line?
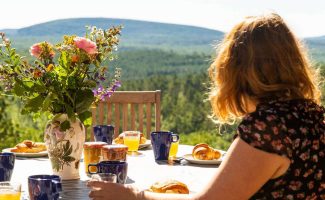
{"x":143,"y":171}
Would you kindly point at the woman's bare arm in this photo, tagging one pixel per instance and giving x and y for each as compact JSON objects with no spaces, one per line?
{"x":243,"y":171}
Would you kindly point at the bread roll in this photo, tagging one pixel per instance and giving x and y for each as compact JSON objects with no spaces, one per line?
{"x":170,"y":186}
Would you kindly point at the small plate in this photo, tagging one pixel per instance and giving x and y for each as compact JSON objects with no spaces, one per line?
{"x":27,"y":155}
{"x":190,"y":159}
{"x":145,"y":145}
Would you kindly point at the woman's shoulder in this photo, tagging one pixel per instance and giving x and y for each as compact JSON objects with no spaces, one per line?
{"x":294,"y":106}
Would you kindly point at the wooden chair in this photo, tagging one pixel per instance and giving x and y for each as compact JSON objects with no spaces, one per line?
{"x":125,"y":111}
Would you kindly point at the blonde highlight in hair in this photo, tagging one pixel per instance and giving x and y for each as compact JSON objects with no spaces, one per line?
{"x":259,"y":59}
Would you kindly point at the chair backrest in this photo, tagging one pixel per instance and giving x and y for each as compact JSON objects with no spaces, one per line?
{"x":129,"y":110}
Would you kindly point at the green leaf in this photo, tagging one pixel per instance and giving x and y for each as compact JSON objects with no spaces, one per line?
{"x":85,"y":118}
{"x":29,"y":84}
{"x":18,"y":89}
{"x":12,"y":53}
{"x":65,"y":126}
{"x":84,"y":99}
{"x":70,"y":112}
{"x":71,"y":82}
{"x":47,"y":102}
{"x":40,"y":88}
{"x":34,"y":104}
{"x":89,"y":83}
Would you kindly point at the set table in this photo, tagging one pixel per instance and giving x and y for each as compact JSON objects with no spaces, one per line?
{"x":143,"y":171}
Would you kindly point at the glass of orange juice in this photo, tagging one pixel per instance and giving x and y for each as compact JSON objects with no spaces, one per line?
{"x":132,"y":141}
{"x":10,"y":191}
{"x":92,"y":153}
{"x":173,"y":149}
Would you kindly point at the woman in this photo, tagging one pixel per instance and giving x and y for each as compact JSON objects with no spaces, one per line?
{"x":262,"y":75}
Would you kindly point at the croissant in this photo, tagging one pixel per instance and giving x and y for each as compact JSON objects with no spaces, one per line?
{"x":217,"y":154}
{"x":203,"y":151}
{"x":170,"y":186}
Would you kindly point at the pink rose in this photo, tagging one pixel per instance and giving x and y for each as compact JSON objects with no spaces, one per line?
{"x":36,"y":50}
{"x":85,"y":44}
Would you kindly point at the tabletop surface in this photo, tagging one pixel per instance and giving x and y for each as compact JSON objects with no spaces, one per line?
{"x":143,"y":171}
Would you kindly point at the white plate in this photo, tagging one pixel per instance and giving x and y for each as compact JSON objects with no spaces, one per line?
{"x":190,"y":159}
{"x":145,"y":145}
{"x":27,"y":155}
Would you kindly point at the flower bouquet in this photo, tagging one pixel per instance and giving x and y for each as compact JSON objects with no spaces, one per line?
{"x":64,"y":81}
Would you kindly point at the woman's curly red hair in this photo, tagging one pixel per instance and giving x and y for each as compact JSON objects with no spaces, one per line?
{"x":259,"y":59}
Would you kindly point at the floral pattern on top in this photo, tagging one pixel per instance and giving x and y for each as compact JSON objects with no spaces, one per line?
{"x":294,"y":129}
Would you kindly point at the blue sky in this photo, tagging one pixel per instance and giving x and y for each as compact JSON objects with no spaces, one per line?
{"x":306,"y":18}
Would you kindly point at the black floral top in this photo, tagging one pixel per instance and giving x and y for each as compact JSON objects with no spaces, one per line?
{"x":294,"y":129}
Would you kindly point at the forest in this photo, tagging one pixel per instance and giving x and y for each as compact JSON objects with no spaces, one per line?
{"x":184,"y":83}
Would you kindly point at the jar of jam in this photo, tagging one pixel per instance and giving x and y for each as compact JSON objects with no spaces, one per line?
{"x":116,"y":152}
{"x":92,"y":154}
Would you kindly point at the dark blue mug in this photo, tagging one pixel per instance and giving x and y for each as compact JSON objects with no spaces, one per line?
{"x":104,"y":133}
{"x":7,"y":163}
{"x":44,"y":187}
{"x":161,"y":142}
{"x":119,"y":168}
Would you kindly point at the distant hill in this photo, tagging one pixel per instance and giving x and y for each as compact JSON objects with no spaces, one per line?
{"x":140,"y":35}
{"x":135,"y":34}
{"x":316,"y":46}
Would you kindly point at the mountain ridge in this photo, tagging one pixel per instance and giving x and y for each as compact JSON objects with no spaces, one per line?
{"x":138,"y":34}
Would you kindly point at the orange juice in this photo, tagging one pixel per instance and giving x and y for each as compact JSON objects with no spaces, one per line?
{"x":132,"y":143}
{"x":92,"y":153}
{"x":11,"y":195}
{"x":173,"y":149}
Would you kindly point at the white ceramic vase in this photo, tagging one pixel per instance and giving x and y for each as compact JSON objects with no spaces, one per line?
{"x":65,"y":147}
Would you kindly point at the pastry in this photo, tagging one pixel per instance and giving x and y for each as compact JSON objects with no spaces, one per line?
{"x":217,"y":154}
{"x":203,"y":151}
{"x":28,"y":146}
{"x":170,"y":186}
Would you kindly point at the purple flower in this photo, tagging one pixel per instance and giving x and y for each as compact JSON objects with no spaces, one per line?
{"x":102,"y":94}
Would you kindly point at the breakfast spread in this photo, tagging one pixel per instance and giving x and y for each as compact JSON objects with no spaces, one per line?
{"x":28,"y":146}
{"x":120,"y":139}
{"x":203,"y":151}
{"x":169,"y":186}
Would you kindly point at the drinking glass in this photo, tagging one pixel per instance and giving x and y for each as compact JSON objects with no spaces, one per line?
{"x":92,"y":153}
{"x":173,"y":149}
{"x":10,"y":191}
{"x":132,"y":141}
{"x":119,"y":168}
{"x":108,"y":177}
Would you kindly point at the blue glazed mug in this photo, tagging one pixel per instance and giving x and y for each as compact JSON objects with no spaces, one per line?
{"x":7,"y":163}
{"x":104,"y":133}
{"x":44,"y":187}
{"x":161,"y":142}
{"x":119,"y":168}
